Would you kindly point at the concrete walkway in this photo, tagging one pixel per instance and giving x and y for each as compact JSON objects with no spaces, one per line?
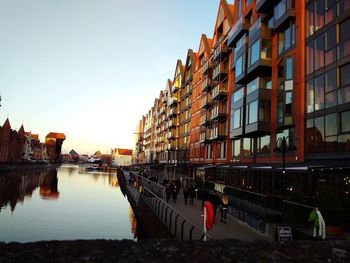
{"x":232,"y":229}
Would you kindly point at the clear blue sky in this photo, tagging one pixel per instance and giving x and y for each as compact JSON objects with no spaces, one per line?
{"x":91,"y":68}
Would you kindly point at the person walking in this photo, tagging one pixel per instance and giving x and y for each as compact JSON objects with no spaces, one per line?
{"x":224,"y":201}
{"x":168,"y":193}
{"x":192,"y":193}
{"x":174,"y":194}
{"x":215,"y":200}
{"x":319,"y":229}
{"x":186,"y":195}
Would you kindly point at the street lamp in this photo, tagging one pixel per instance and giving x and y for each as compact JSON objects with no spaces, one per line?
{"x":283,"y":149}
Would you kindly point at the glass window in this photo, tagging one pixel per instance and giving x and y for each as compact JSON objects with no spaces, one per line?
{"x":239,"y":8}
{"x":309,"y":135}
{"x":264,"y":111}
{"x":239,"y":66}
{"x":238,"y":95}
{"x":252,"y":86}
{"x":280,"y":113}
{"x":319,"y":14}
{"x":345,"y":121}
{"x":281,"y":42}
{"x":289,"y":103}
{"x":310,"y":57}
{"x":247,"y":146}
{"x":310,"y":96}
{"x":280,"y":9}
{"x":344,"y":95}
{"x":252,"y":110}
{"x":345,"y":75}
{"x":287,"y":38}
{"x":293,"y":34}
{"x":254,"y":52}
{"x":319,"y":52}
{"x":264,"y":144}
{"x":331,"y":124}
{"x":319,"y":133}
{"x":330,"y":88}
{"x":344,"y":142}
{"x":310,"y":21}
{"x":331,"y":10}
{"x":237,"y":119}
{"x":289,"y":68}
{"x":343,"y":6}
{"x":319,"y":92}
{"x":331,"y":37}
{"x":236,"y":147}
{"x":345,"y":30}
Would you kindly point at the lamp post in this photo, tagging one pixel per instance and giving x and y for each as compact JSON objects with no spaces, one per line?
{"x":283,"y":149}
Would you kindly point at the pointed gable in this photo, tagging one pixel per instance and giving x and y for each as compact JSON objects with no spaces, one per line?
{"x":224,"y":20}
{"x":21,"y":130}
{"x":204,"y":46}
{"x":7,"y":124}
{"x":179,"y":73}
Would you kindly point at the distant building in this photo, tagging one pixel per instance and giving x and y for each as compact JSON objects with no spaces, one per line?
{"x":11,"y":143}
{"x":121,"y":157}
{"x":53,"y":144}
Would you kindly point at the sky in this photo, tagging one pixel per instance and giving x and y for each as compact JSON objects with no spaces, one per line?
{"x":91,"y":68}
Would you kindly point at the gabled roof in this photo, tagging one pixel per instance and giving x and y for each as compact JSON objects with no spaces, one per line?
{"x":7,"y":124}
{"x":73,"y":152}
{"x":205,"y":45}
{"x":56,"y":135}
{"x":225,"y":10}
{"x":169,"y":83}
{"x":179,"y":69}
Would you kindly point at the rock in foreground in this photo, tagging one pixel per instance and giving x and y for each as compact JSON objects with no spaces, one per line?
{"x":174,"y":251}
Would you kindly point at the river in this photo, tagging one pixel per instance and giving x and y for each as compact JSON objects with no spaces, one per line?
{"x":66,"y":203}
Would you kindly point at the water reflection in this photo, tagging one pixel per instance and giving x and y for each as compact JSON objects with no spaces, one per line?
{"x":17,"y":187}
{"x":64,"y":204}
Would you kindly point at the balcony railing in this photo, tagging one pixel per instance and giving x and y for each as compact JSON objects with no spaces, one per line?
{"x":173,"y":111}
{"x":206,"y":67}
{"x":206,"y":101}
{"x":173,"y":123}
{"x":218,"y":133}
{"x":207,"y":84}
{"x":205,"y":119}
{"x":172,"y":101}
{"x":219,"y":92}
{"x":174,"y":88}
{"x":219,"y":111}
{"x":220,"y":50}
{"x":220,"y":71}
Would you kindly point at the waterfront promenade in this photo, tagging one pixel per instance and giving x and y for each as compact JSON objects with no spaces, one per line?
{"x":232,"y":229}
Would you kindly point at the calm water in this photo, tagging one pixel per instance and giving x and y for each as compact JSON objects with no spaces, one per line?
{"x":61,"y":204}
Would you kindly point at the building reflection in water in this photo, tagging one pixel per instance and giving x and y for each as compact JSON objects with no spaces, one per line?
{"x":16,"y":188}
{"x":133,"y":222}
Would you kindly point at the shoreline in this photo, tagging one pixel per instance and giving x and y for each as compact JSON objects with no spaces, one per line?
{"x":26,"y":166}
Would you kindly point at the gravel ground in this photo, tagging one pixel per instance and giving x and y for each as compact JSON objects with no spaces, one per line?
{"x":175,"y":251}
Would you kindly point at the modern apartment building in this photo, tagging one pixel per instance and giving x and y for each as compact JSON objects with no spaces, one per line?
{"x":270,"y":114}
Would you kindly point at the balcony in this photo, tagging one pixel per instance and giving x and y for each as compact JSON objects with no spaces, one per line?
{"x":173,"y":123}
{"x":220,"y":51}
{"x":175,"y":87}
{"x":172,"y":146}
{"x":219,"y":92}
{"x":204,"y":136}
{"x":220,"y":71}
{"x":264,"y":6}
{"x":206,"y":85}
{"x":173,"y":112}
{"x":208,"y":65}
{"x":283,"y":12}
{"x":237,"y":31}
{"x":186,"y":92}
{"x":188,"y":76}
{"x":205,"y":119}
{"x":172,"y":135}
{"x":218,"y":133}
{"x":172,"y":101}
{"x":206,"y":101}
{"x":219,"y":113}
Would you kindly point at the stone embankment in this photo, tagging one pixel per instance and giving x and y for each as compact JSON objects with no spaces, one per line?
{"x":175,"y":251}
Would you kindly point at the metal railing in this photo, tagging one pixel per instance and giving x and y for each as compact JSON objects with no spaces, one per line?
{"x":151,"y":185}
{"x":179,"y":226}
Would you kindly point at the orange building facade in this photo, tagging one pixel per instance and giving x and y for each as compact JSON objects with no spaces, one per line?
{"x":263,"y":107}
